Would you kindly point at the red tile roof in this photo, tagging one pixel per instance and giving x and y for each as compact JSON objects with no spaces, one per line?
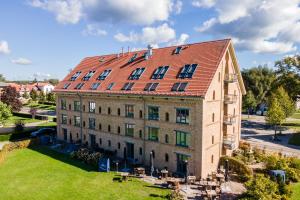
{"x":206,"y":54}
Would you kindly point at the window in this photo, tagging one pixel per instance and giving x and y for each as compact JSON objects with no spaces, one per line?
{"x":64,"y":119}
{"x":129,"y":130}
{"x":69,"y":106}
{"x":160,"y":72}
{"x":213,"y":117}
{"x":119,"y":129}
{"x":94,"y":86}
{"x":151,"y":87}
{"x":66,"y":85}
{"x":179,"y":87}
{"x":182,"y":139}
{"x":79,"y":86}
{"x":83,"y":108}
{"x":108,"y":128}
{"x":212,"y":159}
{"x":92,"y":123}
{"x":75,"y":76}
{"x":88,"y":75}
{"x":177,"y":50}
{"x":182,"y":116}
{"x":212,"y":139}
{"x":70,"y":121}
{"x":167,"y":117}
{"x":104,"y":74}
{"x":153,"y":113}
{"x":132,"y":58}
{"x":77,"y":121}
{"x":153,"y":154}
{"x":141,"y":114}
{"x":135,"y":75}
{"x":109,"y":87}
{"x":108,"y":110}
{"x":167,"y":139}
{"x":100,"y":109}
{"x":119,"y":145}
{"x":127,"y":86}
{"x":214,"y":95}
{"x":167,"y":157}
{"x":129,"y":111}
{"x":140,"y":134}
{"x":83,"y":123}
{"x":65,"y":132}
{"x":100,"y":126}
{"x":153,"y":133}
{"x":187,"y":71}
{"x":219,"y":76}
{"x":100,"y":141}
{"x":92,"y":107}
{"x":63,"y":104}
{"x":109,"y":143}
{"x":77,"y":106}
{"x":141,"y":151}
{"x":119,"y":111}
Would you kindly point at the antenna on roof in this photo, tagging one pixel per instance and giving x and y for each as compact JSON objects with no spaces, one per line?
{"x":122,"y":51}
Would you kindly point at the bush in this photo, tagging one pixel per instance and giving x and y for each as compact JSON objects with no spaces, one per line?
{"x":27,"y":115}
{"x":88,"y":157}
{"x":238,"y":167}
{"x":175,"y":195}
{"x":295,"y":163}
{"x":19,"y":126}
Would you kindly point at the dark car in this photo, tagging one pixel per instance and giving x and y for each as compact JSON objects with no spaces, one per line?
{"x":43,"y":131}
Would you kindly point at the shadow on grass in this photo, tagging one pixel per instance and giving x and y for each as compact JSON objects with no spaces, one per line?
{"x":158,"y":196}
{"x":157,"y":187}
{"x":62,"y":157}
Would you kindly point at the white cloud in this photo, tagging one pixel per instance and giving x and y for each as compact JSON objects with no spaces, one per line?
{"x":94,"y":30}
{"x":182,"y":39}
{"x":21,"y":61}
{"x":270,"y":26}
{"x":4,"y":49}
{"x":143,"y":12}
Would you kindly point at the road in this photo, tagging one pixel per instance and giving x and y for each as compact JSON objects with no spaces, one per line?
{"x":257,"y":133}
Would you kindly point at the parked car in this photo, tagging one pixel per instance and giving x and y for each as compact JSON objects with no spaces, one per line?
{"x":262,"y":112}
{"x":43,"y":131}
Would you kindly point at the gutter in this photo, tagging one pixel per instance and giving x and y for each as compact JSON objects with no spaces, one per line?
{"x":81,"y":122}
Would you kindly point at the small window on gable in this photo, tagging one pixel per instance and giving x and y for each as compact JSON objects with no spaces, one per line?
{"x":66,"y":85}
{"x":187,"y":71}
{"x":109,"y":87}
{"x":213,"y":117}
{"x":94,"y":86}
{"x":75,"y":76}
{"x":88,"y":75}
{"x":79,"y":86}
{"x":135,"y":75}
{"x":127,"y":86}
{"x":178,"y":50}
{"x":179,"y":87}
{"x":104,"y":74}
{"x":132,"y":58}
{"x":150,"y":86}
{"x":160,"y":72}
{"x":214,"y":95}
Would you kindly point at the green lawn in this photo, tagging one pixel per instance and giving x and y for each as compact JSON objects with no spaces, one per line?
{"x":295,"y":139}
{"x":44,"y":174}
{"x":41,"y":106}
{"x":13,"y":119}
{"x":296,"y":192}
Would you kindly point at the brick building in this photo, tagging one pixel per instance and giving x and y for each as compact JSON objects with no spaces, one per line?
{"x":182,"y":103}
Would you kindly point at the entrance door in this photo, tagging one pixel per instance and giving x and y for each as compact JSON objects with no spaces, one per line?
{"x":130,"y":150}
{"x":181,"y":164}
{"x":92,"y":140}
{"x":65,"y":132}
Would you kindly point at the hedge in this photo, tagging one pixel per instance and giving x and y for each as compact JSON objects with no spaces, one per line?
{"x":27,"y":115}
{"x":237,"y":166}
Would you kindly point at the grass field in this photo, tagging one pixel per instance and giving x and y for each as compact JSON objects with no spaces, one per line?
{"x":40,"y":173}
{"x":296,"y":192}
{"x":13,"y":119}
{"x":41,"y":106}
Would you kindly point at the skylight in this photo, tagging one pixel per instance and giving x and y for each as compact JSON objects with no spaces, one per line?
{"x":79,"y":86}
{"x":127,"y":86}
{"x":132,"y":58}
{"x":160,"y":72}
{"x":187,"y":71}
{"x":104,"y":74}
{"x":95,"y":86}
{"x":177,"y":50}
{"x":135,"y":75}
{"x":88,"y":75}
{"x":75,"y":76}
{"x":109,"y":87}
{"x":66,"y":85}
{"x":150,"y":86}
{"x":179,"y":87}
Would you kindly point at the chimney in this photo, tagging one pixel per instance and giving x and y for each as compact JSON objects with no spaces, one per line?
{"x":148,"y":54}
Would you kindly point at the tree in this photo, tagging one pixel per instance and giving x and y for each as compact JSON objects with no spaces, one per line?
{"x":50,"y":97}
{"x":26,"y":95}
{"x":33,"y":112}
{"x":10,"y":96}
{"x":42,"y":96}
{"x":33,"y":95}
{"x":52,"y":81}
{"x":5,"y":112}
{"x":249,"y":101}
{"x":275,"y":115}
{"x":2,"y":78}
{"x":285,"y":101}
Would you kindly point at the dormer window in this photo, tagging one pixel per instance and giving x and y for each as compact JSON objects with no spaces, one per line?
{"x":177,"y":50}
{"x":109,"y":87}
{"x":187,"y":71}
{"x":127,"y":86}
{"x":104,"y":74}
{"x":132,"y":58}
{"x":88,"y":75}
{"x":179,"y":87}
{"x":151,"y":87}
{"x":66,"y":85}
{"x":79,"y":86}
{"x":160,"y":72}
{"x":135,"y":75}
{"x":95,"y":86}
{"x":75,"y":76}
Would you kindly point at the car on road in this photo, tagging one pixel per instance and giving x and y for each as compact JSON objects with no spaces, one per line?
{"x":43,"y":131}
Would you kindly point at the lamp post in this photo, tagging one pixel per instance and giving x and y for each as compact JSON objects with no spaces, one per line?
{"x":117,"y":166}
{"x":186,"y":173}
{"x":151,"y":163}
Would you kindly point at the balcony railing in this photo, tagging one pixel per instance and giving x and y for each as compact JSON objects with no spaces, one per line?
{"x":230,"y":78}
{"x":230,"y":98}
{"x":229,"y":119}
{"x":229,"y":142}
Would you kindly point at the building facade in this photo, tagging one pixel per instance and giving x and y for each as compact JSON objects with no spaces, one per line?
{"x":181,"y":104}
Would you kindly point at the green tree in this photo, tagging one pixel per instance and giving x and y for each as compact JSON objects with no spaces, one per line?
{"x":285,"y":101}
{"x":26,"y":95}
{"x":10,"y":96}
{"x":50,"y":97}
{"x":2,"y":78}
{"x":5,"y":112}
{"x":42,"y":97}
{"x":275,"y":115}
{"x":33,"y":95}
{"x":249,"y":101}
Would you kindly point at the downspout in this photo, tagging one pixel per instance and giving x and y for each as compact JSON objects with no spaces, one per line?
{"x":144,"y":125}
{"x":81,"y":121}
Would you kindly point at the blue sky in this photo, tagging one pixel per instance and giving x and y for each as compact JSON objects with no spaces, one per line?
{"x":46,"y":38}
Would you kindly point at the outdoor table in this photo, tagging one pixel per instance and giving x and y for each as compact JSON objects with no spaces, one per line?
{"x":173,"y":182}
{"x":164,"y":173}
{"x":191,"y":179}
{"x":124,"y":175}
{"x":139,"y":170}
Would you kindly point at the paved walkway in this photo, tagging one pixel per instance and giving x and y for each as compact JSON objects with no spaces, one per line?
{"x":257,"y":133}
{"x":5,"y":130}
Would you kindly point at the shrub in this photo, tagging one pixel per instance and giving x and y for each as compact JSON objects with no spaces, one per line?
{"x":19,"y":126}
{"x":175,"y":195}
{"x":295,"y":163}
{"x":238,"y":167}
{"x":88,"y":157}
